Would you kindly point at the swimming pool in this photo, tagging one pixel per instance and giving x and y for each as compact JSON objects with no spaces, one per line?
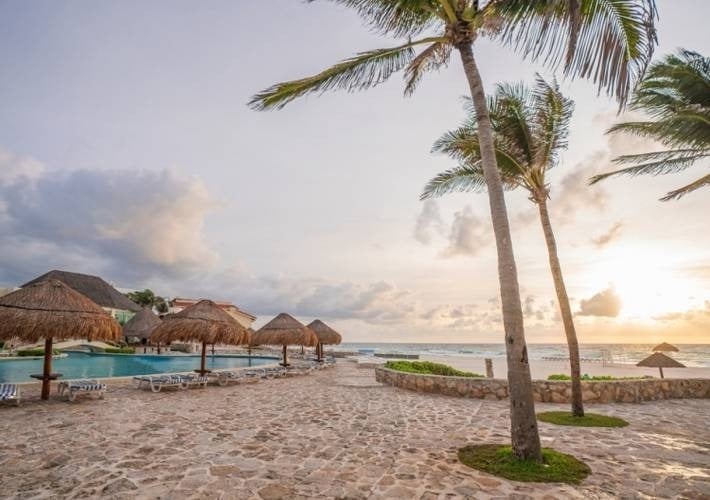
{"x":81,"y":365}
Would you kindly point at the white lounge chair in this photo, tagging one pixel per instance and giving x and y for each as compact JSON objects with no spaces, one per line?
{"x":10,"y":392}
{"x":82,"y":386}
{"x":157,"y":382}
{"x":194,"y":380}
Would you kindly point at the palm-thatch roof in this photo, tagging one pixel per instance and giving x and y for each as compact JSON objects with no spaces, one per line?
{"x":665,"y":347}
{"x":284,"y":330}
{"x":52,"y":309}
{"x":93,"y":287}
{"x":659,"y":360}
{"x":203,"y":322}
{"x":141,"y":325}
{"x":325,"y":334}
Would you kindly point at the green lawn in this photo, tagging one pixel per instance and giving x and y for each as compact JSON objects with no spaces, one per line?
{"x":428,"y":368}
{"x":588,"y":420}
{"x":499,"y":460}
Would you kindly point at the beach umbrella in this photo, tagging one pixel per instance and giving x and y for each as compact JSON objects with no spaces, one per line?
{"x":204,"y":322}
{"x":665,"y":347}
{"x":141,"y":325}
{"x":660,"y":361}
{"x":285,"y":330}
{"x":52,"y":310}
{"x":325,"y":334}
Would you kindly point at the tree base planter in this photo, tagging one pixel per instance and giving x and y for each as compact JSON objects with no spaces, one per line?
{"x":499,"y":460}
{"x":550,"y":391}
{"x":588,"y":420}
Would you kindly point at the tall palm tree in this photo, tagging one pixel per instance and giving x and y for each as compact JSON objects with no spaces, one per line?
{"x":530,"y":128}
{"x":608,"y":41}
{"x":675,"y":93}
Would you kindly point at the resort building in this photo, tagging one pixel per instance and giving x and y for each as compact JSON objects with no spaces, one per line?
{"x":118,"y":305}
{"x":244,"y":318}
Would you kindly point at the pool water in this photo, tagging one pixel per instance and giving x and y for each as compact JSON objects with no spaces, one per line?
{"x":81,"y":365}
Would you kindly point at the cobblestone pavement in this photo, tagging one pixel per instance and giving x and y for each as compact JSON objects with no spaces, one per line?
{"x":335,"y":433}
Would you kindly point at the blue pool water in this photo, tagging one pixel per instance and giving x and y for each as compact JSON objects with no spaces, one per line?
{"x":80,"y":365}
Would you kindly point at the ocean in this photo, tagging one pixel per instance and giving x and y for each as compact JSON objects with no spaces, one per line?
{"x":689,"y":354}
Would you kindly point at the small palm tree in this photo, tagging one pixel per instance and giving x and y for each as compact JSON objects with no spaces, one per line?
{"x":607,"y":41}
{"x":676,"y":95}
{"x":530,"y":128}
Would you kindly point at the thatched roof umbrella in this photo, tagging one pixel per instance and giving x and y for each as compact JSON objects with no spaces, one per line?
{"x":52,"y":310}
{"x":285,"y":330}
{"x":665,"y":347}
{"x":660,"y":361}
{"x":141,"y":325}
{"x":325,"y":334}
{"x":203,"y":322}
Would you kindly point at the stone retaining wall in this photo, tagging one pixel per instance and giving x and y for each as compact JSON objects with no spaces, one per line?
{"x":551,"y":391}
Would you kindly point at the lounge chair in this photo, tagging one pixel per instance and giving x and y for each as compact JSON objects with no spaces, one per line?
{"x":10,"y":392}
{"x":157,"y":382}
{"x":190,"y":380}
{"x":75,"y":387}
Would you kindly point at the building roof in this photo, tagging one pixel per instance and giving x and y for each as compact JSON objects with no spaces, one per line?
{"x":93,"y":287}
{"x":183,"y":302}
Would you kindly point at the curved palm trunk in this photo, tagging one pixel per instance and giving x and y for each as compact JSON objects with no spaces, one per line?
{"x":565,"y":311}
{"x":523,"y":423}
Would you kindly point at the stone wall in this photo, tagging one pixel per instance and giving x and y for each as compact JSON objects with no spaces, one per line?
{"x":551,"y":391}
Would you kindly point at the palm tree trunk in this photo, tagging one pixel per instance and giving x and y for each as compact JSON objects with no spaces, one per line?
{"x":523,"y":423}
{"x":563,"y":300}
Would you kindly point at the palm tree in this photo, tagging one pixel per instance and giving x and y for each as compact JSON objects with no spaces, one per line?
{"x":147,"y":298}
{"x":676,"y":95}
{"x":608,"y":41}
{"x":530,"y":129}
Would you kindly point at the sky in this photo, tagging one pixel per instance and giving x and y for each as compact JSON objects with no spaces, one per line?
{"x":127,"y":150}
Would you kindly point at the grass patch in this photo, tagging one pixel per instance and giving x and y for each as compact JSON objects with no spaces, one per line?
{"x":588,"y":420}
{"x":499,"y":460}
{"x":428,"y":368}
{"x":593,"y":378}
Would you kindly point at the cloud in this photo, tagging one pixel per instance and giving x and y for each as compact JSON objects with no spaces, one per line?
{"x":130,"y":225}
{"x":468,"y":234}
{"x":696,"y":315}
{"x":428,"y":221}
{"x":610,"y":235}
{"x":605,"y":303}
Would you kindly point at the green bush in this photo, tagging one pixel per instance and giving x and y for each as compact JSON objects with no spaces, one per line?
{"x":120,"y":350}
{"x":561,"y":376}
{"x":428,"y":368}
{"x":35,"y":352}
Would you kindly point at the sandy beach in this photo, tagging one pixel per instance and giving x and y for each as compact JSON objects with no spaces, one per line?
{"x":541,"y":369}
{"x":332,"y":434}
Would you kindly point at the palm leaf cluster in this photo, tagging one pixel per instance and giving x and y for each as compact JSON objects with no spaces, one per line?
{"x":530,"y":130}
{"x":675,"y":94}
{"x":607,"y":41}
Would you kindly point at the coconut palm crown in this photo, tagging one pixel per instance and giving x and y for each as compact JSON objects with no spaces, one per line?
{"x":607,"y":41}
{"x":676,"y":95}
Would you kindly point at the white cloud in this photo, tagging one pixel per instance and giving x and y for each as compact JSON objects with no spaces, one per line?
{"x":468,"y":234}
{"x":428,"y":221}
{"x":605,"y":303}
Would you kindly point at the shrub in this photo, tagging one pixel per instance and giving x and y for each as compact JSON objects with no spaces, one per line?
{"x":561,"y":376}
{"x":120,"y":350}
{"x":428,"y":368}
{"x":35,"y":352}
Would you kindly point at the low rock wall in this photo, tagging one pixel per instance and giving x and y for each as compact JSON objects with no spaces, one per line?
{"x":550,"y":391}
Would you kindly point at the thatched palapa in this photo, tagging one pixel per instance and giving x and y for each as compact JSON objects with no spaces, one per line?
{"x":141,"y":325}
{"x":660,"y":361}
{"x":203,"y":322}
{"x":51,"y":309}
{"x":665,"y":347}
{"x":325,"y":334}
{"x":285,"y":330}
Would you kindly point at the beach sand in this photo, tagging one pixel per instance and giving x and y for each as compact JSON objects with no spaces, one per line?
{"x":541,"y":369}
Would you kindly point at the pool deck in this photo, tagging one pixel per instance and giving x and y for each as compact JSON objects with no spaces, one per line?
{"x":334,"y":433}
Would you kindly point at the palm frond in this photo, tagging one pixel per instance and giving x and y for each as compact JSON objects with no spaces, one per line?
{"x":613,"y":45}
{"x":433,"y":57}
{"x":552,"y":115}
{"x":362,"y":71}
{"x":399,"y":18}
{"x":659,"y":167}
{"x":464,"y":178}
{"x":678,"y":193}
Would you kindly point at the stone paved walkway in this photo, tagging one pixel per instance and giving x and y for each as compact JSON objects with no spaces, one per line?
{"x":336,"y":433}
